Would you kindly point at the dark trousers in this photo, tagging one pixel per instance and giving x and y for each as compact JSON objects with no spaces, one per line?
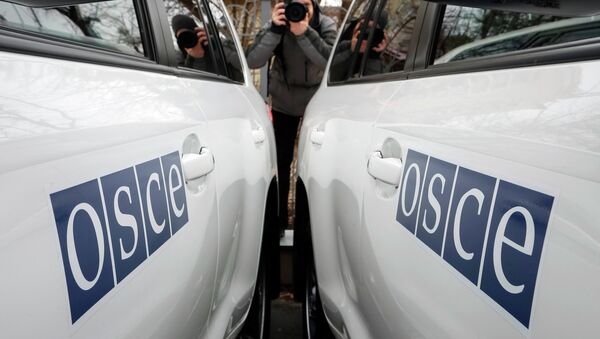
{"x":285,"y":127}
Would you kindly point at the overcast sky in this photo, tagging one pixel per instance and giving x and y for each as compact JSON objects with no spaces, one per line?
{"x":330,"y":3}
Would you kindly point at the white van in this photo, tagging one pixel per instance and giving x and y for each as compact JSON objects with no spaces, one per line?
{"x":449,"y":173}
{"x":136,"y":189}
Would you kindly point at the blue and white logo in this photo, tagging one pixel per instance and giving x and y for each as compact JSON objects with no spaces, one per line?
{"x":490,"y":230}
{"x":108,"y":226}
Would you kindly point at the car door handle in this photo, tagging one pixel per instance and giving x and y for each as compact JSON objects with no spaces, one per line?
{"x":388,"y":170}
{"x":198,"y":165}
{"x":258,"y":135}
{"x":317,"y":136}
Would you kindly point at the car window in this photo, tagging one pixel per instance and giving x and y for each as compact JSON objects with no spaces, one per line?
{"x":196,"y":42}
{"x":390,"y":28}
{"x":340,"y":65}
{"x":230,"y":52}
{"x":467,"y":32}
{"x":189,"y":35}
{"x":112,"y":25}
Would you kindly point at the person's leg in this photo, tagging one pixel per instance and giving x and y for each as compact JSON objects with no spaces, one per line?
{"x":285,"y":127}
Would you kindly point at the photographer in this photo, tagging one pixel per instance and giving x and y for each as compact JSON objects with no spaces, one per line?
{"x":301,"y":43}
{"x":341,"y":63}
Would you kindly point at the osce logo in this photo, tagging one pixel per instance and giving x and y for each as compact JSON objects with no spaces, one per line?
{"x":490,"y":230}
{"x":108,"y":226}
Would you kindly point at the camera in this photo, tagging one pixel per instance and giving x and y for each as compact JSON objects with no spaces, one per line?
{"x":295,"y":11}
{"x":187,"y":38}
{"x":377,"y":36}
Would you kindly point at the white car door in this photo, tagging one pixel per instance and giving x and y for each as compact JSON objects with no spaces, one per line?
{"x":108,"y":189}
{"x":239,"y":136}
{"x":491,"y":229}
{"x":335,"y":137}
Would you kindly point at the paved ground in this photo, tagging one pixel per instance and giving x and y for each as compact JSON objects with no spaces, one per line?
{"x":286,"y":321}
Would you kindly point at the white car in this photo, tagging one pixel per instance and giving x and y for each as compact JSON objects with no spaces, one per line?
{"x":453,"y":199}
{"x":136,"y":193}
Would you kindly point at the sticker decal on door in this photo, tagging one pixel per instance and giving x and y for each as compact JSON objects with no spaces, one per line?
{"x":108,"y":226}
{"x":489,"y":230}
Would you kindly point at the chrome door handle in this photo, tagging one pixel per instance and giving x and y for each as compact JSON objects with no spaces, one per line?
{"x":258,"y":135}
{"x":388,"y":170}
{"x":317,"y":136}
{"x":198,"y":165}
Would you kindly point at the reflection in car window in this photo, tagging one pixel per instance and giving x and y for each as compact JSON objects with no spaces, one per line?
{"x":232,"y":58}
{"x":390,"y":28}
{"x":110,"y":25}
{"x":340,"y":64}
{"x":190,"y":37}
{"x":467,"y":32}
{"x":195,"y":42}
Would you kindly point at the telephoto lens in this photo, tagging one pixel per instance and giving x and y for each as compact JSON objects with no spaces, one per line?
{"x":187,"y":38}
{"x":295,"y":11}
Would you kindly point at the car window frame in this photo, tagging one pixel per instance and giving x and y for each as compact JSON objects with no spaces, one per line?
{"x":575,"y":51}
{"x":37,"y":44}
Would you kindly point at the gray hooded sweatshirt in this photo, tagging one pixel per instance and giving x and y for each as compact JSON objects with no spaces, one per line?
{"x":299,"y":61}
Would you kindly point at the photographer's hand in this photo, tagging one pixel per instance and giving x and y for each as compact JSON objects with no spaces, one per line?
{"x":198,"y":51}
{"x":382,"y":45}
{"x":278,"y":14}
{"x":299,"y":28}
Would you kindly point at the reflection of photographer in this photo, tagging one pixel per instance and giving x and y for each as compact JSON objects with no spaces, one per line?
{"x":301,"y":39}
{"x":349,"y":41}
{"x":192,"y":42}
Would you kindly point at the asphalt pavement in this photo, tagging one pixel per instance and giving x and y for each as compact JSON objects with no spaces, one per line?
{"x":286,"y":321}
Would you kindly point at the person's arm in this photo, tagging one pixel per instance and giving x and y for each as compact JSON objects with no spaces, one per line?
{"x":231,"y":54}
{"x":342,"y":53}
{"x":261,"y":50}
{"x":267,"y":39}
{"x":318,"y":47}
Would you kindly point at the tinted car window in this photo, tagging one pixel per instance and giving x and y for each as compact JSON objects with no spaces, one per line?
{"x":196,"y":42}
{"x":342,"y":58}
{"x":230,"y":53}
{"x":467,"y":32}
{"x":112,"y":25}
{"x":190,"y":36}
{"x":384,"y":41}
{"x":397,"y":20}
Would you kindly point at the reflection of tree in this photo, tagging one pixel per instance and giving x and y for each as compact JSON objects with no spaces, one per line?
{"x":175,"y":7}
{"x":401,"y":15}
{"x":114,"y":22}
{"x":462,"y":25}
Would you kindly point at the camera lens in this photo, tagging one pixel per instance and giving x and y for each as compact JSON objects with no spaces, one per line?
{"x":187,"y":38}
{"x":295,"y":12}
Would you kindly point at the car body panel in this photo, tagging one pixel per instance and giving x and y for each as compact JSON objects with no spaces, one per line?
{"x":66,"y":123}
{"x":552,"y":148}
{"x":343,"y":116}
{"x":535,"y":128}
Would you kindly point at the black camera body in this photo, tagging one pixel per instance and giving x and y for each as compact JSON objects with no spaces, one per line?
{"x":378,"y":36}
{"x":188,"y":38}
{"x":295,"y":11}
